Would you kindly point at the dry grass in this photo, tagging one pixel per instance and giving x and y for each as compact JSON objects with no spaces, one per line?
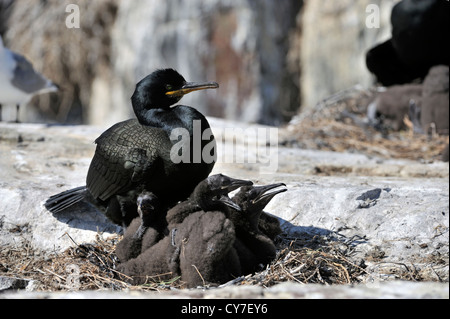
{"x":321,"y":260}
{"x":337,"y":124}
{"x":82,"y":267}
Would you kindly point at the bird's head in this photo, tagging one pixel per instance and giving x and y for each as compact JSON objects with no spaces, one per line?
{"x":148,"y":205}
{"x":213,"y":191}
{"x":253,"y":199}
{"x":163,"y":88}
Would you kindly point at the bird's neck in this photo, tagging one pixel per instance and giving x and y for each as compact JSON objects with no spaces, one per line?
{"x":149,"y":117}
{"x":204,"y":199}
{"x":170,"y":118}
{"x":163,"y":118}
{"x":254,"y":220}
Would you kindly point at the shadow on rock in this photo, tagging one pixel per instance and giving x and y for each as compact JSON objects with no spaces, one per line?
{"x":85,"y":216}
{"x":315,"y":237}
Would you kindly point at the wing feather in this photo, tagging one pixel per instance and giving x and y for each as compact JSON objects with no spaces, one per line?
{"x":125,"y":155}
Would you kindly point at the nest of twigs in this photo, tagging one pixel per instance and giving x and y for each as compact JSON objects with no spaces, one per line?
{"x":306,"y":260}
{"x":92,"y":267}
{"x":320,"y":260}
{"x":82,"y":267}
{"x":339,"y":124}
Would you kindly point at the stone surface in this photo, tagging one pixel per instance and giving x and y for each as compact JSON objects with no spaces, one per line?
{"x":390,"y":290}
{"x":37,"y":161}
{"x":395,"y":212}
{"x":435,"y":101}
{"x":14,"y":284}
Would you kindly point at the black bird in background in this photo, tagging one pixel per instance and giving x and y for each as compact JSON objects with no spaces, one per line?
{"x":135,"y":155}
{"x":420,"y":30}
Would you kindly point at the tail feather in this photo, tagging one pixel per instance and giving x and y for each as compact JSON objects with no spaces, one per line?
{"x":61,"y":201}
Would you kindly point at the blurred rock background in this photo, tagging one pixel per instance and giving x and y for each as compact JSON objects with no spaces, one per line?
{"x":271,"y":58}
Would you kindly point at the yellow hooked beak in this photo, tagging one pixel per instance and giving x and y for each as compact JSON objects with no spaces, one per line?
{"x":191,"y":87}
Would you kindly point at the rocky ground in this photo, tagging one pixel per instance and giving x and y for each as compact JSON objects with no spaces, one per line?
{"x":370,"y":222}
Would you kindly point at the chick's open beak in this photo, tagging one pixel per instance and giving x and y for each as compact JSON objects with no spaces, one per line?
{"x":262,"y":195}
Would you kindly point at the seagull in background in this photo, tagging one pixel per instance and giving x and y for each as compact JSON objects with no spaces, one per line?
{"x":19,"y":82}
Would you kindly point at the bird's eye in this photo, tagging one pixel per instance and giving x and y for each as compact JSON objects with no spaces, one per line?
{"x":169,"y":87}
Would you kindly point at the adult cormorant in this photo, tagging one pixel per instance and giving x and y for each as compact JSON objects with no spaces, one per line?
{"x":137,"y":154}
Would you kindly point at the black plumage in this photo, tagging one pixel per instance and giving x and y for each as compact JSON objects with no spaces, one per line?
{"x":153,"y":224}
{"x":137,"y":155}
{"x":254,"y":247}
{"x":212,"y":240}
{"x":199,"y":246}
{"x":150,"y":227}
{"x":209,"y":195}
{"x":252,"y":201}
{"x":207,"y":253}
{"x":420,"y":31}
{"x":269,"y":225}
